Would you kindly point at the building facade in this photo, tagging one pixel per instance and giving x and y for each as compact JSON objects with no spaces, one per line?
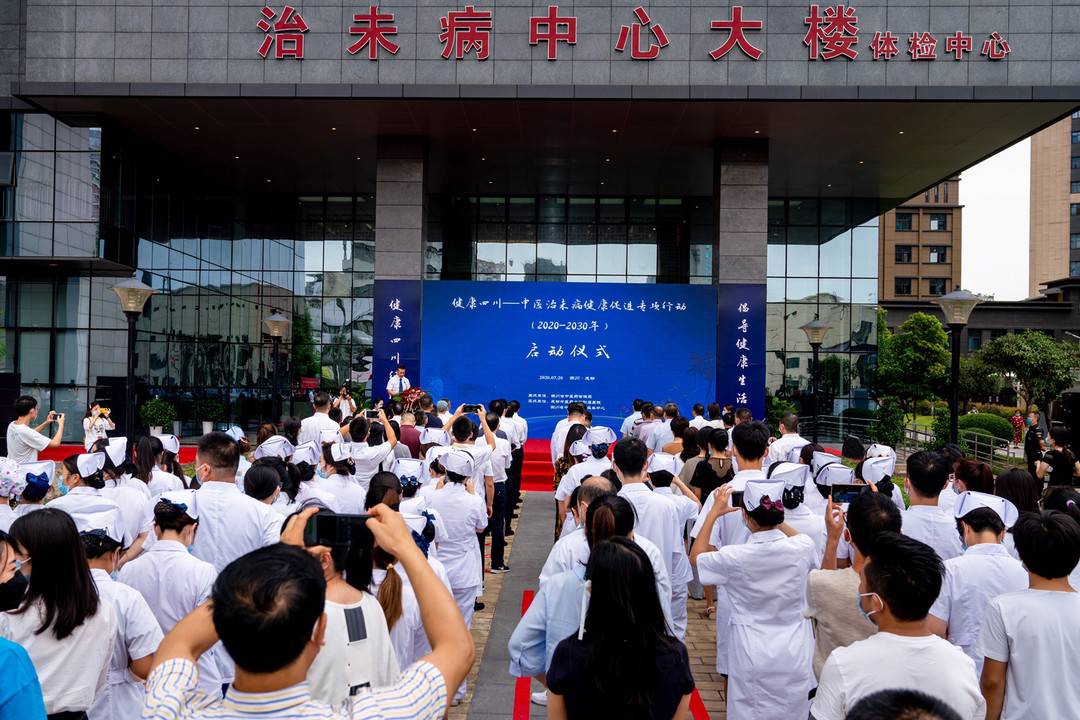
{"x":921,"y":245}
{"x":1054,"y":247}
{"x":256,"y":157}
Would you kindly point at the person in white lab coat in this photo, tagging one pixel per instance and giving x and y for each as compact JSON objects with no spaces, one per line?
{"x":137,"y":631}
{"x":12,"y":484}
{"x":789,"y":441}
{"x":334,"y":478}
{"x":770,"y":668}
{"x":984,"y":571}
{"x":575,"y":415}
{"x":231,"y":524}
{"x":797,"y":513}
{"x":297,"y":482}
{"x":39,"y":479}
{"x":927,"y":473}
{"x":85,"y":483}
{"x":369,"y":458}
{"x":466,"y":517}
{"x":173,"y":581}
{"x":311,"y":428}
{"x":593,"y":449}
{"x":666,"y":483}
{"x":149,"y":452}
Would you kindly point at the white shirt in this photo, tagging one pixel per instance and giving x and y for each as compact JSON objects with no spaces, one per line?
{"x":657,"y":520}
{"x":137,"y":636}
{"x":356,"y":652}
{"x":1038,"y":633}
{"x":283,"y":506}
{"x":687,"y":510}
{"x":397,"y":385}
{"x":7,"y":515}
{"x":231,"y":524}
{"x":783,"y":445}
{"x":161,"y":481}
{"x":698,"y":421}
{"x":349,"y":493}
{"x":946,"y":500}
{"x":94,"y":430}
{"x":884,"y":661}
{"x":806,"y":522}
{"x":465,"y":515}
{"x":83,"y":500}
{"x":311,"y":428}
{"x":24,"y":443}
{"x":367,"y":459}
{"x":174,"y":582}
{"x":558,"y":438}
{"x":514,"y":430}
{"x":628,"y":423}
{"x":577,"y":474}
{"x":407,"y":637}
{"x":500,"y":459}
{"x":972,"y":580}
{"x":926,"y":523}
{"x":660,"y":436}
{"x":91,"y":643}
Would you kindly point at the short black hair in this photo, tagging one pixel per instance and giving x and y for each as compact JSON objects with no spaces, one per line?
{"x":751,"y":440}
{"x":400,"y":367}
{"x":335,"y":414}
{"x":679,"y":426}
{"x":638,"y":402}
{"x":630,"y":456}
{"x":461,"y":429}
{"x":790,"y":422}
{"x":980,"y":519}
{"x":266,"y":604}
{"x":24,"y":405}
{"x":952,"y":452}
{"x":870,"y":514}
{"x":718,"y":439}
{"x":661,"y":478}
{"x":264,"y":477}
{"x":1048,"y":543}
{"x":219,"y":450}
{"x":743,"y":415}
{"x":322,"y":399}
{"x":928,"y":472}
{"x":905,"y":573}
{"x":900,"y":704}
{"x":698,"y":409}
{"x":492,"y":421}
{"x":714,"y":411}
{"x":358,"y":428}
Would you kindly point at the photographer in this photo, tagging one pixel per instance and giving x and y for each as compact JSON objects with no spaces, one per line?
{"x":274,"y":643}
{"x":96,"y":424}
{"x":345,"y":402}
{"x":24,"y":441}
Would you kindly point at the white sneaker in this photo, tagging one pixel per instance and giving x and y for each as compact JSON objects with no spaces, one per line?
{"x":539,"y":698}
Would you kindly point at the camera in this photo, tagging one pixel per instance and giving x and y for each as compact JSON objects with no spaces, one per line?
{"x":844,"y":494}
{"x":736,"y":499}
{"x":470,"y":408}
{"x":371,"y":414}
{"x":337,"y":530}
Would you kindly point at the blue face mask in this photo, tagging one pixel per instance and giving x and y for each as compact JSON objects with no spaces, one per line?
{"x":115,"y":574}
{"x":321,"y":472}
{"x":858,"y":604}
{"x":62,"y":487}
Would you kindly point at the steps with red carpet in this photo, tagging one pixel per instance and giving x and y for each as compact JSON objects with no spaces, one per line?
{"x":537,"y":472}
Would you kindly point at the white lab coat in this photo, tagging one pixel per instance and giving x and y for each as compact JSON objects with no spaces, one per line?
{"x":804,"y":521}
{"x":7,"y":515}
{"x":482,"y":455}
{"x":367,"y":460}
{"x":771,"y":652}
{"x":137,"y":635}
{"x":781,"y":448}
{"x":284,"y":507}
{"x":927,"y":524}
{"x":311,"y":428}
{"x":161,"y":481}
{"x":174,"y":582}
{"x":85,"y":500}
{"x":348,"y":493}
{"x":231,"y":524}
{"x":465,"y":515}
{"x":577,"y":474}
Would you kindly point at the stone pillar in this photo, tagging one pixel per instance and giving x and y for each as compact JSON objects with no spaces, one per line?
{"x":741,"y":210}
{"x":399,"y":210}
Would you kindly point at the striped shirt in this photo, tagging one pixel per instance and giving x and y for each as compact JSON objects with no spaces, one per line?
{"x":171,"y":694}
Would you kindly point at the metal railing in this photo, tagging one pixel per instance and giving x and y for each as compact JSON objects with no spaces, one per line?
{"x":835,"y":428}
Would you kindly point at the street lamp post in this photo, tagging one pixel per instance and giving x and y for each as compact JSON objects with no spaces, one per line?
{"x":276,"y":326}
{"x":957,"y":307}
{"x":133,"y":296}
{"x":815,"y":334}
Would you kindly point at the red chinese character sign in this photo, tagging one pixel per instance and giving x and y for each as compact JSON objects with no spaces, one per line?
{"x":372,"y":34}
{"x":883,"y":46}
{"x":736,"y":38}
{"x":632,"y":33}
{"x":462,"y":31}
{"x":922,"y":46}
{"x":995,"y":47}
{"x":284,"y":33}
{"x":957,"y":44}
{"x":833,"y":34}
{"x":553,"y":29}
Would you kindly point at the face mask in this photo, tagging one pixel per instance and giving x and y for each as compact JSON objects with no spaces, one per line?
{"x":115,"y":575}
{"x":62,"y":487}
{"x":11,"y":592}
{"x":858,"y":604}
{"x":321,"y":472}
{"x":1027,"y":421}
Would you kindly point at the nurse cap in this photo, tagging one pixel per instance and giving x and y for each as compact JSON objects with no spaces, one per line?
{"x":971,"y":500}
{"x":593,"y":436}
{"x":458,"y":461}
{"x":275,"y":446}
{"x":39,"y":473}
{"x":184,"y":499}
{"x":117,"y":450}
{"x":764,"y":493}
{"x":795,"y":454}
{"x":835,"y":474}
{"x":339,"y":452}
{"x":877,"y":469}
{"x":170,"y":443}
{"x":326,"y":436}
{"x":407,"y":469}
{"x":821,"y":459}
{"x":434,"y":436}
{"x":662,"y":461}
{"x":90,"y":463}
{"x":878,"y":450}
{"x":102,"y":517}
{"x":236,"y":433}
{"x":791,"y":474}
{"x":12,"y":482}
{"x":304,"y":453}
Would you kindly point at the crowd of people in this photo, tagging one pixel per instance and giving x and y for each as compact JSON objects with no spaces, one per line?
{"x":841,"y":586}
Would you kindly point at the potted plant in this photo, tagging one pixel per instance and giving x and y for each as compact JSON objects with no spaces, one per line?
{"x":209,"y":411}
{"x":157,"y":413}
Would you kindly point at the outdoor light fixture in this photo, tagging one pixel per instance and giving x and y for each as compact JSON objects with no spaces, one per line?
{"x":133,"y":296}
{"x":277,"y":327}
{"x":815,"y":330}
{"x":957,"y":307}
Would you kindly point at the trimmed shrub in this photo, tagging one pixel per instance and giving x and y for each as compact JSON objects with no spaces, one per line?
{"x":888,"y":427}
{"x":994,"y":425}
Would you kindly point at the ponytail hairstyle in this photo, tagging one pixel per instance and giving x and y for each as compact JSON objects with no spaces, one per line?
{"x":608,"y":516}
{"x":390,"y":590}
{"x":436,"y":468}
{"x":169,"y":516}
{"x":148,"y":452}
{"x":691,"y":445}
{"x":290,"y":428}
{"x":96,"y":481}
{"x":340,"y":467}
{"x":170,"y":464}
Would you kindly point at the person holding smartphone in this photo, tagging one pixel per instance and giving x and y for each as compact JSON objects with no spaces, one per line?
{"x":24,"y":439}
{"x":96,"y":425}
{"x":344,"y":400}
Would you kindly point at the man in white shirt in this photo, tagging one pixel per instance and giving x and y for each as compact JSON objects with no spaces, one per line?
{"x":518,"y":437}
{"x":1029,"y":638}
{"x":661,"y":433}
{"x":927,"y":473}
{"x":575,"y":415}
{"x":231,"y":523}
{"x":698,"y":420}
{"x":629,"y":421}
{"x":24,"y":441}
{"x":789,"y":439}
{"x":500,"y":465}
{"x":898,"y":586}
{"x":398,"y":383}
{"x":311,"y":428}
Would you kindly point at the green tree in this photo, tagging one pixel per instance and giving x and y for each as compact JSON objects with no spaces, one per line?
{"x":1041,"y":366}
{"x":305,"y":354}
{"x":978,"y":379}
{"x":913,"y":362}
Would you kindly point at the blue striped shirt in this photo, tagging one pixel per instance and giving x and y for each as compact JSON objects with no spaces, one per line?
{"x":172,"y":694}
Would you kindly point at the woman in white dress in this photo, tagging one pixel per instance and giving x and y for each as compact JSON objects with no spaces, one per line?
{"x":96,"y":425}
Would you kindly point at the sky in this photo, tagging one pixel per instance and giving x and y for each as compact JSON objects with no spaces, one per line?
{"x":995,"y":196}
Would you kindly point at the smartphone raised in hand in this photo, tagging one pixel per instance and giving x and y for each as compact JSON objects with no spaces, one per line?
{"x":844,"y":494}
{"x":470,"y":408}
{"x":736,"y":499}
{"x":338,"y":530}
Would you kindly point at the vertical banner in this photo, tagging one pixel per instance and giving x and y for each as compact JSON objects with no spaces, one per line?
{"x":740,"y":351}
{"x":396,"y":335}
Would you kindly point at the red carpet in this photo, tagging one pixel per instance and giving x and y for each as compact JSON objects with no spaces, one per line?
{"x":522,"y":687}
{"x":536,"y":471}
{"x":187,"y":453}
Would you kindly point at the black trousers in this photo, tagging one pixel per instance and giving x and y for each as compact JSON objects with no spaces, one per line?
{"x":499,"y":512}
{"x":513,"y":476}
